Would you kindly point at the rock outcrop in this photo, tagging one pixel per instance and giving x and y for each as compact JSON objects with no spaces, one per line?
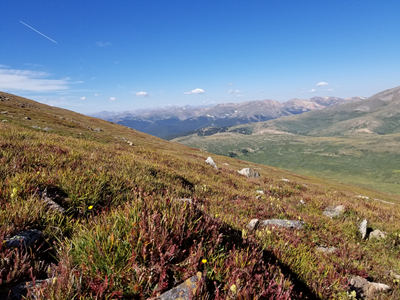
{"x":211,"y":162}
{"x":248,"y":172}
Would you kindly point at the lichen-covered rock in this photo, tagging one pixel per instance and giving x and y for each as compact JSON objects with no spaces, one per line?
{"x":253,"y":224}
{"x":377,"y":234}
{"x":283,"y":223}
{"x":184,"y":291}
{"x":211,"y":162}
{"x":363,"y":228}
{"x":249,"y":173}
{"x":334,"y":211}
{"x":27,"y":238}
{"x":365,"y":288}
{"x":325,"y":249}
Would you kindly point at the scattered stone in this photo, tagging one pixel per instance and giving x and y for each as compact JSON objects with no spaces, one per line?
{"x":36,"y":127}
{"x":27,"y":238}
{"x":384,"y":201}
{"x":377,"y":234}
{"x":283,"y":223}
{"x":284,"y":179}
{"x":48,"y":198}
{"x":363,"y":197}
{"x":184,"y":200}
{"x":184,"y":291}
{"x":253,"y":224}
{"x":332,"y":211}
{"x":249,"y":173}
{"x":324,"y":249}
{"x":363,"y":228}
{"x":302,"y":202}
{"x":27,"y":118}
{"x":260,"y":192}
{"x":97,"y":129}
{"x":4,"y":121}
{"x":47,"y":129}
{"x":226,"y":164}
{"x":4,"y":112}
{"x":211,"y":162}
{"x":365,"y":288}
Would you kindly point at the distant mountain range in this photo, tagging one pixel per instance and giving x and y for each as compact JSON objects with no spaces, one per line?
{"x":167,"y":122}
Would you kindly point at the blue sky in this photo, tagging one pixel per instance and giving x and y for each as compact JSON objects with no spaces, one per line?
{"x":90,"y":56}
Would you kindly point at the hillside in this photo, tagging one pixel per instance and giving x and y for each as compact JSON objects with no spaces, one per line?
{"x":356,"y":143}
{"x":169,"y":121}
{"x":118,"y":214}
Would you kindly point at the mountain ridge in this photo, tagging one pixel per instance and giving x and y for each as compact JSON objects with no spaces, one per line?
{"x":168,"y":121}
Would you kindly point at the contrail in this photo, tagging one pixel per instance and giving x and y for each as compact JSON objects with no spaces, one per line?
{"x":38,"y":32}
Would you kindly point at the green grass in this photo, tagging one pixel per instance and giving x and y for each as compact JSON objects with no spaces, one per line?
{"x":125,"y":236}
{"x":366,"y":161}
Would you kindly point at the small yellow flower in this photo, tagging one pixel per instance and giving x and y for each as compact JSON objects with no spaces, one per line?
{"x":204,"y":260}
{"x":268,"y":232}
{"x":90,"y":207}
{"x":216,"y":215}
{"x":299,"y":218}
{"x":38,"y":172}
{"x":233,"y":288}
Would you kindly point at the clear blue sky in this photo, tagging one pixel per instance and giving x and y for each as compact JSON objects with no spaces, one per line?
{"x":89,"y":56}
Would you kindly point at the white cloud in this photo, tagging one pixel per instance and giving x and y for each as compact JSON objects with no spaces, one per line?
{"x":234,"y":92}
{"x":27,"y":80}
{"x":230,"y":84}
{"x":195,"y":91}
{"x":101,"y":44}
{"x":97,"y":95}
{"x":113,"y":98}
{"x":198,"y":91}
{"x":82,"y":98}
{"x":142,"y":94}
{"x":312,"y":91}
{"x":322,"y":83}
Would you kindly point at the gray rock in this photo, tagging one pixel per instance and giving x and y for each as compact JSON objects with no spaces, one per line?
{"x":47,"y":129}
{"x":211,"y":162}
{"x":326,"y":249}
{"x":36,"y":127}
{"x":184,"y":200}
{"x":4,"y":121}
{"x":184,"y":291}
{"x":260,"y":192}
{"x":253,"y":224}
{"x":97,"y":129}
{"x":283,"y":223}
{"x":249,"y":173}
{"x":363,"y":228}
{"x":284,"y":179}
{"x":332,"y":211}
{"x":377,"y":234}
{"x":365,"y":288}
{"x":27,"y":238}
{"x":48,"y":198}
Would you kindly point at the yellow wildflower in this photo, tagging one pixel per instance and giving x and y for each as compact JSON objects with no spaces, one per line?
{"x":233,"y":288}
{"x":204,"y":260}
{"x":90,"y":207}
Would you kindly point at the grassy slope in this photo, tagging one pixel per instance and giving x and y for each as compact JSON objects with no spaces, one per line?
{"x":356,"y":142}
{"x":124,"y":236}
{"x":369,"y":161}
